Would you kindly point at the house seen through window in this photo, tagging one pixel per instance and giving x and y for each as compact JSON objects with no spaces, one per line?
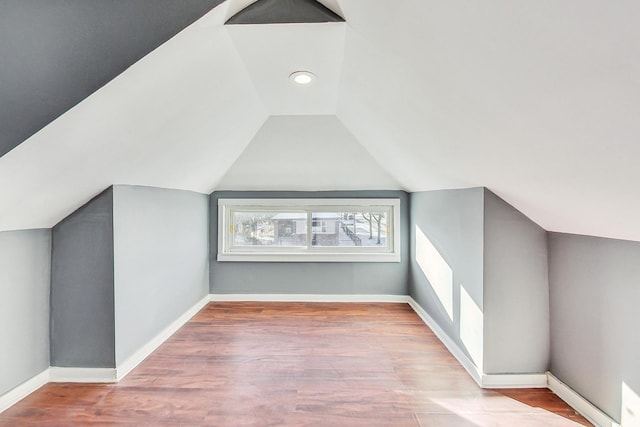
{"x":303,"y":230}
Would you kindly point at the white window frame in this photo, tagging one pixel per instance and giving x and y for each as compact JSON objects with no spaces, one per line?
{"x":390,"y":253}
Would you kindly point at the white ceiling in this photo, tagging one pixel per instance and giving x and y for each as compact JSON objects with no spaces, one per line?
{"x":538,"y":101}
{"x":306,"y":152}
{"x":177,"y":119}
{"x":271,"y":53}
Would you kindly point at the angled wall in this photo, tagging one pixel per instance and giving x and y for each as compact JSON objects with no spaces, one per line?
{"x":595,"y":300}
{"x":446,"y":263}
{"x":516,"y":291}
{"x":82,"y":315}
{"x":161,"y":261}
{"x":124,"y":267}
{"x":308,"y":277}
{"x":25,"y":265}
{"x":478,"y":267}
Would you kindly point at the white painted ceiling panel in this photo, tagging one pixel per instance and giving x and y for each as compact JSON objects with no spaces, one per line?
{"x":306,"y":153}
{"x":390,"y":117}
{"x":176,"y":119}
{"x":272,"y":52}
{"x":537,"y":101}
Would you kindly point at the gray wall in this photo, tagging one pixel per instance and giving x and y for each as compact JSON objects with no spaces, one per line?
{"x":284,"y":12}
{"x":452,"y":221}
{"x":25,"y":262}
{"x":516,"y":291}
{"x":56,"y":53}
{"x":309,"y":277}
{"x":82,"y":332}
{"x":595,"y":313}
{"x":161,"y":261}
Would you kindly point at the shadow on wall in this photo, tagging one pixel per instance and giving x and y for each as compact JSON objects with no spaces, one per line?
{"x":455,"y":301}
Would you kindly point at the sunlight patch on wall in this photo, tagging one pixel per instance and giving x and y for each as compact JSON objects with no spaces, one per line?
{"x":471,"y":327}
{"x":436,"y":269}
{"x":630,"y":413}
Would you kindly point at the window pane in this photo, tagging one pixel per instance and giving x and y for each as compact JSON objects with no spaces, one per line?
{"x":349,"y":229}
{"x":269,"y":229}
{"x":303,"y":230}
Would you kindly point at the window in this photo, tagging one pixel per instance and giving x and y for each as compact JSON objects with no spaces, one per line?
{"x":325,"y":230}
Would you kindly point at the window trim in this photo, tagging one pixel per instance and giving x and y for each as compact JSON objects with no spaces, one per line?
{"x":307,"y":254}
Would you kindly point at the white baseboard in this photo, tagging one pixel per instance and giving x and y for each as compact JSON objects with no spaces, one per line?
{"x":579,"y":403}
{"x":130,"y":363}
{"x":59,"y":374}
{"x":453,"y":348}
{"x":23,"y":390}
{"x":483,"y":380}
{"x":514,"y":381}
{"x":56,"y":374}
{"x":307,"y":298}
{"x":110,"y":375}
{"x":547,"y":380}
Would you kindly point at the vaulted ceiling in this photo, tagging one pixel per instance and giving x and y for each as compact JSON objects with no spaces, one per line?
{"x":538,"y":101}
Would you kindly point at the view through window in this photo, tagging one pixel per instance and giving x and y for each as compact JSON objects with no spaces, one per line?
{"x":303,"y":228}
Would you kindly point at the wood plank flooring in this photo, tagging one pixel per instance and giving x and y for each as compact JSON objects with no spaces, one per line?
{"x":295,"y":364}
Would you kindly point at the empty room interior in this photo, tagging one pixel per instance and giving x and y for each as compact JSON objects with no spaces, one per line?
{"x":331,"y":212}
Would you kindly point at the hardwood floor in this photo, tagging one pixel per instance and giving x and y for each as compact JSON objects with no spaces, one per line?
{"x":295,"y":364}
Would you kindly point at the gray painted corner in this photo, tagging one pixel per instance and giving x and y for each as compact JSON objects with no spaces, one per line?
{"x":82,"y":298}
{"x":594,"y":299}
{"x":450,"y":221}
{"x":131,"y":256}
{"x":25,"y":267}
{"x":497,"y":262}
{"x":515,"y":288}
{"x":161,"y":261}
{"x":284,"y":12}
{"x":57,"y":53}
{"x":308,"y":277}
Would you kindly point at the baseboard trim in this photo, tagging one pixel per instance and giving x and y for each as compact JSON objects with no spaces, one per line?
{"x":453,"y":348}
{"x":306,"y":298}
{"x":131,"y":362}
{"x":18,"y":393}
{"x":58,"y":374}
{"x":111,"y":375}
{"x":579,"y":403}
{"x":483,"y":380}
{"x":514,"y":381}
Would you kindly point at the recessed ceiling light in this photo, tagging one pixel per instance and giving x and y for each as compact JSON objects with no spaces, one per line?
{"x":302,"y":77}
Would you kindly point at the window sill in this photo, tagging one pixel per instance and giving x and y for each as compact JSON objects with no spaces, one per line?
{"x":309,"y":257}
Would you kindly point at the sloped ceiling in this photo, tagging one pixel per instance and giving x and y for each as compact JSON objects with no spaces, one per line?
{"x":536,"y":100}
{"x":299,"y":152}
{"x":178,"y":118}
{"x":56,"y":53}
{"x":272,"y":52}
